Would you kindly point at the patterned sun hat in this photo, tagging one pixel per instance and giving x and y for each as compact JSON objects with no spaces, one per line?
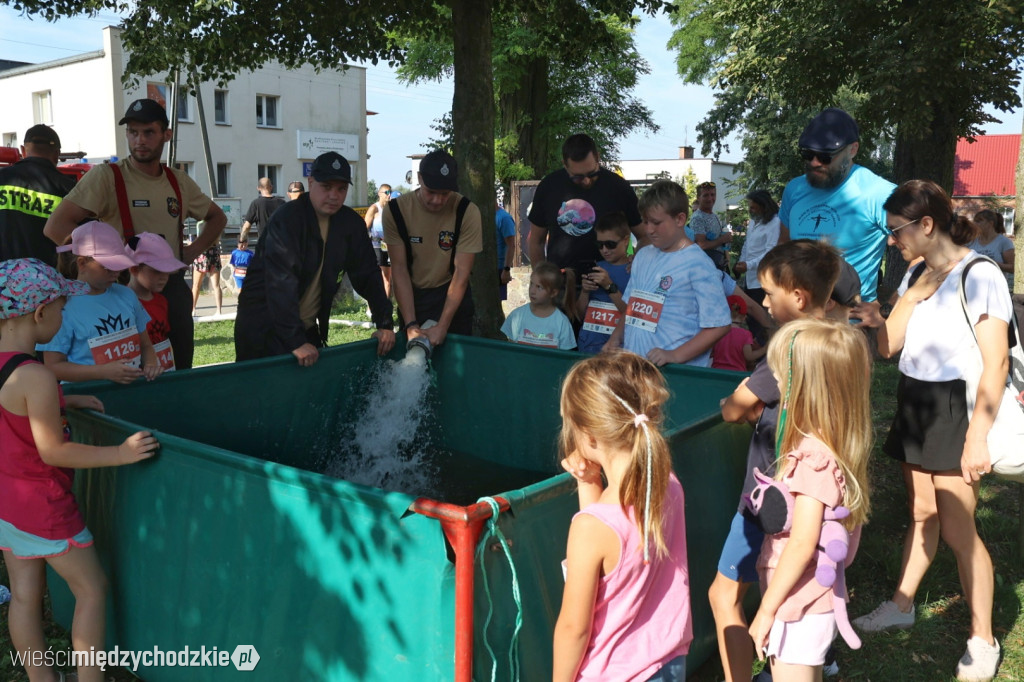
{"x":27,"y":283}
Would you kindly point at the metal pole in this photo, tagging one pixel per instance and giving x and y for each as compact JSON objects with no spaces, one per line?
{"x":206,"y":140}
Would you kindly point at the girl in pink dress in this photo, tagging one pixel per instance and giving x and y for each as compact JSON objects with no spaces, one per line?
{"x":825,"y":433}
{"x":626,"y":606}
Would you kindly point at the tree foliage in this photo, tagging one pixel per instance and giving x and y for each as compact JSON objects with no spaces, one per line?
{"x":922,"y":69}
{"x":543,"y":91}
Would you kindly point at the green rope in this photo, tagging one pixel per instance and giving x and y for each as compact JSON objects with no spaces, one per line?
{"x":513,"y":649}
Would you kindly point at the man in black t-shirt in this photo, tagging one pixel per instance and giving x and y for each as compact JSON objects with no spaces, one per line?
{"x":29,"y":191}
{"x":570,"y":201}
{"x":261,"y":208}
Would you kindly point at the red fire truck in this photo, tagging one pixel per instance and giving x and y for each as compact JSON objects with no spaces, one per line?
{"x":10,"y":156}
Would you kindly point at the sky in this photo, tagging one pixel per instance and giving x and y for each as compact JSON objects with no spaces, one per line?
{"x":405,"y":114}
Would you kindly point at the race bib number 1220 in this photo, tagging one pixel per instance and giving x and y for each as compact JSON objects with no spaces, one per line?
{"x":644,"y":310}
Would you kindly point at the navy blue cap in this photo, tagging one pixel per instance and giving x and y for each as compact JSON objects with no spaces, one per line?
{"x":438,"y":171}
{"x":829,"y":131}
{"x":331,"y":166}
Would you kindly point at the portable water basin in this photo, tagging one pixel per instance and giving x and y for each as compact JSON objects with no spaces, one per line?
{"x":232,"y":538}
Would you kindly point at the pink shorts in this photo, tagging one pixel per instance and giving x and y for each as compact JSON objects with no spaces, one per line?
{"x":803,"y":642}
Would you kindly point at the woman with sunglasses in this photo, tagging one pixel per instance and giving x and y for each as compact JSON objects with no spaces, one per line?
{"x":942,"y":449}
{"x":295,"y":190}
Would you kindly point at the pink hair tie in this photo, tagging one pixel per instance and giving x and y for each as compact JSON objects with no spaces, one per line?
{"x":639,"y":419}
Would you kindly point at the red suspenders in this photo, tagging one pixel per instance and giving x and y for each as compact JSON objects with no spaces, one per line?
{"x":127,"y":226}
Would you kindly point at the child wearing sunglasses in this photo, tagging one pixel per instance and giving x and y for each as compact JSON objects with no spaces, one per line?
{"x":600,"y":303}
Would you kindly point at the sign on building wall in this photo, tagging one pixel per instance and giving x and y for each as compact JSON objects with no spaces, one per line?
{"x":313,"y":143}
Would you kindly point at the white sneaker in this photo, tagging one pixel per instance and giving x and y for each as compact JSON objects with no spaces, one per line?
{"x":886,"y":617}
{"x":980,"y":662}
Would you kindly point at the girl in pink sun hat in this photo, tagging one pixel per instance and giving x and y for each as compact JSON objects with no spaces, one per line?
{"x":103,"y":335}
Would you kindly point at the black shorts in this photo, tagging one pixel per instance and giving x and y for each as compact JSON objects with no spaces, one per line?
{"x":930,"y":426}
{"x":383,"y":259}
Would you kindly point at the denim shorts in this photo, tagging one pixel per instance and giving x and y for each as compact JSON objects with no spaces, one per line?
{"x":673,"y":671}
{"x":27,"y":546}
{"x":742,"y":547}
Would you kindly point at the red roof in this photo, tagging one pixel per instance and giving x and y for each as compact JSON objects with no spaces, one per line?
{"x":986,"y":167}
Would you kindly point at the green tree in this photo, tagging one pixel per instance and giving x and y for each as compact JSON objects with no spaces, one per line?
{"x":543,"y":92}
{"x":927,"y":72}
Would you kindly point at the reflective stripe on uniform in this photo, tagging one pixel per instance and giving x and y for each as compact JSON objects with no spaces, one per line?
{"x":28,"y":201}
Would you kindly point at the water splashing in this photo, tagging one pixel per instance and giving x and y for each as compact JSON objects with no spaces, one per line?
{"x":388,"y":450}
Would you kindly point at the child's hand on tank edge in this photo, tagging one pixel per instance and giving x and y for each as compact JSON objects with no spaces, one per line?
{"x":152,"y":371}
{"x":138,"y":446}
{"x":121,"y":371}
{"x":84,"y":402}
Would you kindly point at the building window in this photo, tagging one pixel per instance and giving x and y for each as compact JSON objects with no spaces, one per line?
{"x":185,"y":166}
{"x":42,"y":107}
{"x":10,"y":139}
{"x":268,"y":171}
{"x":266,"y":111}
{"x":220,"y":107}
{"x":223,"y":179}
{"x":184,"y":106}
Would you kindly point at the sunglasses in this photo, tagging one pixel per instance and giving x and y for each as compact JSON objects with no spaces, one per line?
{"x":295,"y":191}
{"x":706,"y":184}
{"x":894,"y":230}
{"x":591,"y":175}
{"x":824,"y":157}
{"x":608,"y":244}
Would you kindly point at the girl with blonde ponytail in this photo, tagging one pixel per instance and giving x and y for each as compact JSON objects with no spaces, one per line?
{"x":626,"y":605}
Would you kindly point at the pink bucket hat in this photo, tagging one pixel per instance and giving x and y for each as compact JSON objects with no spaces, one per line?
{"x":101,"y":242}
{"x":27,"y":283}
{"x":153,"y":250}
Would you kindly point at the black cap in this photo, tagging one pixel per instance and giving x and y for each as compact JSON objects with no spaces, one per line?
{"x":438,"y":171}
{"x":847,"y":289}
{"x":331,"y":166}
{"x":145,"y":111}
{"x":829,"y":131}
{"x":42,"y":134}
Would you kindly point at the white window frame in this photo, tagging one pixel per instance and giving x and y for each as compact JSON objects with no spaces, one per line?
{"x":226,"y":121}
{"x":225,"y":190}
{"x":10,"y":139}
{"x":42,"y":107}
{"x":262,"y":119}
{"x":184,"y":112}
{"x":187,"y":166}
{"x":272,"y":171}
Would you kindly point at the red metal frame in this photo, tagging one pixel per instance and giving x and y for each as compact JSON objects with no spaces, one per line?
{"x":463,"y":527}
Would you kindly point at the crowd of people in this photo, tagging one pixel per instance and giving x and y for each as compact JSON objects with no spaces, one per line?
{"x":633,"y":283}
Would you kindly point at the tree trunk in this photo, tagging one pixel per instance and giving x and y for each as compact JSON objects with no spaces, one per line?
{"x":473,"y":121}
{"x":929,"y":156}
{"x":522,"y":113}
{"x":1018,"y":223}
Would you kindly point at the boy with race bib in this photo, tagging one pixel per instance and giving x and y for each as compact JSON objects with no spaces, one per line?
{"x":675,"y":308}
{"x":103,"y":335}
{"x":156,"y":263}
{"x":600,"y":304}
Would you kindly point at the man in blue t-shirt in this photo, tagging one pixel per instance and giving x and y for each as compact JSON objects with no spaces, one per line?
{"x":505,"y":227}
{"x":836,"y":199}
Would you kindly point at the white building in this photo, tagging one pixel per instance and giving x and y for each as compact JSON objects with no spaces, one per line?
{"x":646,"y":171}
{"x":270,"y":122}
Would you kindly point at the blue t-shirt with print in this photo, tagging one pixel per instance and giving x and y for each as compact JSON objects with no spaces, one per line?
{"x":849,"y":216}
{"x":592,"y":341}
{"x":109,"y":315}
{"x":553,"y":331}
{"x":692,"y":299}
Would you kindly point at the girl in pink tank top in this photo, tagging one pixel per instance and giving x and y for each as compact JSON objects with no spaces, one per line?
{"x":626,"y":606}
{"x":39,"y":519}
